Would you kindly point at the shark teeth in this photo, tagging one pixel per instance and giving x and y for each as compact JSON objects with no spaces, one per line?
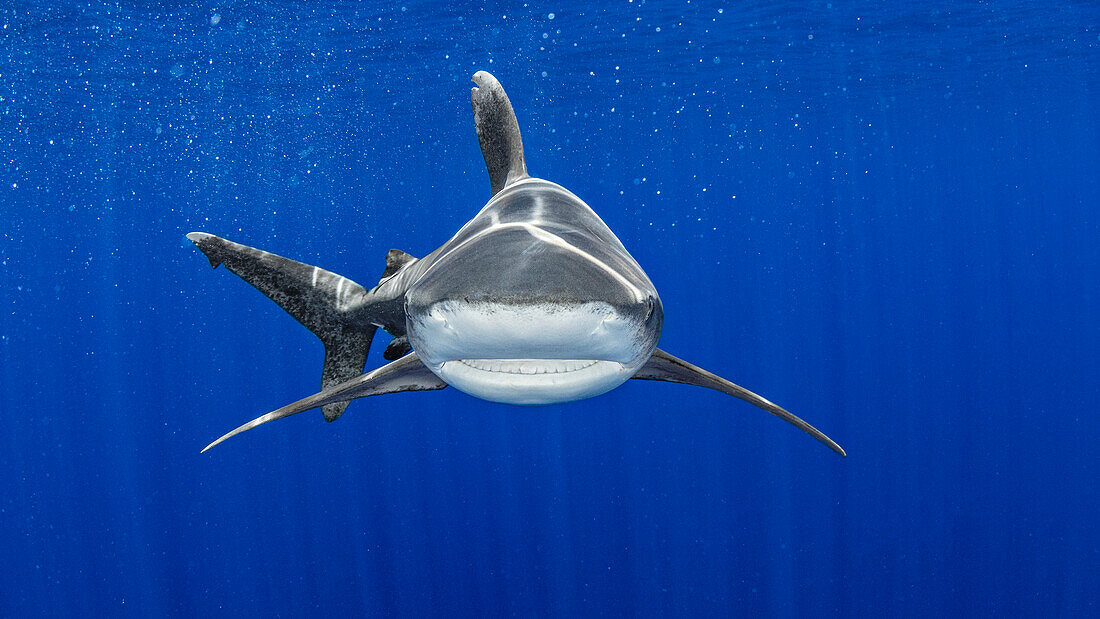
{"x":528,"y":366}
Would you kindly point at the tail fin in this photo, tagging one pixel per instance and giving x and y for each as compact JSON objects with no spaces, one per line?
{"x":329,"y":305}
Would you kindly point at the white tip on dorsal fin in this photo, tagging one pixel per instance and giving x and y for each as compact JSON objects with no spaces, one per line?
{"x":497,"y":131}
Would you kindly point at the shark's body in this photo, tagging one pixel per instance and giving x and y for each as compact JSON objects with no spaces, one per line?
{"x":534,"y":301}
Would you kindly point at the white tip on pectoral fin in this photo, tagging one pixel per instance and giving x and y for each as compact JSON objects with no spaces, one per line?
{"x":405,"y":374}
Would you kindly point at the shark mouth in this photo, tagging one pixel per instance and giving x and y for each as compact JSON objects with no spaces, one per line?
{"x":529,"y":366}
{"x":533,"y":381}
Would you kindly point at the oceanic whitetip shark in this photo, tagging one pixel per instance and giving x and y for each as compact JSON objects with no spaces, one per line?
{"x":534,"y":301}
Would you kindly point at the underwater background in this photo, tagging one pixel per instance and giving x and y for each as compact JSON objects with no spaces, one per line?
{"x":882,"y":216}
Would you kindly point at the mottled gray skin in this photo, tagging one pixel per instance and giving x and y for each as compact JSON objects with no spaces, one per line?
{"x":331,"y":306}
{"x":534,"y":243}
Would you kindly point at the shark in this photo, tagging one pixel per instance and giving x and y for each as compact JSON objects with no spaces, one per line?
{"x":534,"y":301}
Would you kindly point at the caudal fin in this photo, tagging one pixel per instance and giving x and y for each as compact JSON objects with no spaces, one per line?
{"x":329,"y":305}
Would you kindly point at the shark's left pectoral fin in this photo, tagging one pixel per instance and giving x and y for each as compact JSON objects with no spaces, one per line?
{"x":663,"y":366}
{"x":406,"y":374}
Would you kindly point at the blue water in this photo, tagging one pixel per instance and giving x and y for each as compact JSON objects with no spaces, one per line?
{"x":883,"y":219}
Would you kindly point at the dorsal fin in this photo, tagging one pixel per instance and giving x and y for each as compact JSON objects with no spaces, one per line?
{"x":395,"y":259}
{"x":497,"y":131}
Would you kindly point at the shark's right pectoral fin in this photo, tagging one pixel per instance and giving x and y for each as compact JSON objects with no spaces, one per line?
{"x":406,"y":374}
{"x":663,"y":366}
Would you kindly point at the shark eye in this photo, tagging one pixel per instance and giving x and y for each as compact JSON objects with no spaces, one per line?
{"x":649,"y":305}
{"x":406,"y":306}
